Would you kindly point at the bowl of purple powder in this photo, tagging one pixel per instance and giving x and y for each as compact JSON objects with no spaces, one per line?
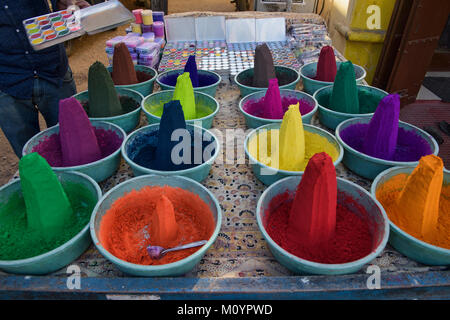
{"x":412,"y":144}
{"x":252,"y":107}
{"x":109,"y":137}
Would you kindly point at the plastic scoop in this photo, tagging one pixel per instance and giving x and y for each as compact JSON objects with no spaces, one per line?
{"x":157,"y":252}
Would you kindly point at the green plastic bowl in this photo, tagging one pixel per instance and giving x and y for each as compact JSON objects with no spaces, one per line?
{"x":406,"y":244}
{"x":309,"y":71}
{"x":331,"y":119}
{"x":376,"y":215}
{"x":244,"y":79}
{"x":128,"y":121}
{"x":146,"y":87}
{"x":369,"y":167}
{"x":210,"y":90}
{"x":171,"y":269}
{"x":156,"y":101}
{"x":269,"y":175}
{"x":197,"y":173}
{"x":255,"y":122}
{"x":98,"y":170}
{"x":63,"y":255}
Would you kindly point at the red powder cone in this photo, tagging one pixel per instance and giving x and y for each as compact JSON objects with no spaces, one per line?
{"x":326,"y":67}
{"x":123,"y":67}
{"x":164,"y":226}
{"x":312,"y":219}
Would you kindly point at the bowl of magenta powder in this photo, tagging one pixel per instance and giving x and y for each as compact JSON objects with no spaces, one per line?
{"x":316,"y":223}
{"x":155,"y":210}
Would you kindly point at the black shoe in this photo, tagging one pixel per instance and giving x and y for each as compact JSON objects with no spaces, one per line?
{"x":433,"y":132}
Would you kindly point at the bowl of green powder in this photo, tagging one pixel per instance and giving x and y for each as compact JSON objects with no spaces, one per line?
{"x":26,"y":250}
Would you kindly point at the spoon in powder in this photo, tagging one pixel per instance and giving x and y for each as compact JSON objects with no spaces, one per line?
{"x":157,"y":252}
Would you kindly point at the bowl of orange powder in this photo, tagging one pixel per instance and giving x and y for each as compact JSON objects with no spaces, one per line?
{"x":417,"y":202}
{"x":155,"y":210}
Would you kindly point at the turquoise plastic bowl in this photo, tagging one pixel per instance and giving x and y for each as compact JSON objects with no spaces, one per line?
{"x":269,"y":175}
{"x":66,"y":253}
{"x":331,"y":119}
{"x":161,"y":97}
{"x":246,"y":76}
{"x":369,"y":167}
{"x":171,"y":269}
{"x":198,"y":173}
{"x":309,"y":71}
{"x":376,"y":215}
{"x":128,"y":121}
{"x":145,"y":87}
{"x":255,"y":122}
{"x":406,"y":244}
{"x":98,"y":170}
{"x":210,"y":90}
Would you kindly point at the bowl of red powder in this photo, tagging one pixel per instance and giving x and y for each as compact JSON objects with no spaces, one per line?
{"x":24,"y":251}
{"x":123,"y":224}
{"x":434,"y":250}
{"x":109,"y":137}
{"x":311,"y":85}
{"x":412,"y":144}
{"x":131,"y":104}
{"x":250,"y":106}
{"x":361,"y":232}
{"x":146,"y":79}
{"x":369,"y":98}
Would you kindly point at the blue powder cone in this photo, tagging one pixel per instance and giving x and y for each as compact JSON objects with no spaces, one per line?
{"x":191,"y":67}
{"x":171,"y":120}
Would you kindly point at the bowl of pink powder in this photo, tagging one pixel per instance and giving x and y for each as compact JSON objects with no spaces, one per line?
{"x":252,"y":106}
{"x":109,"y":138}
{"x":360,"y":231}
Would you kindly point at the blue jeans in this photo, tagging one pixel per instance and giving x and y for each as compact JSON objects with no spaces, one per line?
{"x":19,"y":117}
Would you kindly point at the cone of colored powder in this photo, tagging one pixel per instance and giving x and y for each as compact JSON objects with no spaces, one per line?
{"x":77,"y":136}
{"x":171,"y":120}
{"x":344,"y":97}
{"x":417,"y":207}
{"x":263,"y":66}
{"x":164,"y":227}
{"x":103,"y":99}
{"x":184,"y":92}
{"x":292,"y":139}
{"x":272,"y":106}
{"x":326,"y":66}
{"x":381,"y":138}
{"x":47,"y":205}
{"x":123,"y":68}
{"x":191,"y":67}
{"x":312,"y":218}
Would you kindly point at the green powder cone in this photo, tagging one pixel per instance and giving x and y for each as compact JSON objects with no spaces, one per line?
{"x":185,"y":93}
{"x":103,"y":98}
{"x":48,"y":207}
{"x":344,"y":97}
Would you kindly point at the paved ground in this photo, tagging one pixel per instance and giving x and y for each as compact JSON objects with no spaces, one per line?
{"x":86,"y":50}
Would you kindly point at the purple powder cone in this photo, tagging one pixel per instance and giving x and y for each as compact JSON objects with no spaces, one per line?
{"x":191,"y":67}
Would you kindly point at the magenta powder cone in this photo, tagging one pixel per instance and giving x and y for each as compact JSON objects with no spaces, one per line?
{"x":272,"y":107}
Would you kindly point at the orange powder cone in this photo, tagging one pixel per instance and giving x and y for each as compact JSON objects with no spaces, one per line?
{"x":164,"y":226}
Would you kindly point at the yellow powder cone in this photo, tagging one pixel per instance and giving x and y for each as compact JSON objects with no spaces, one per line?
{"x":292,"y":140}
{"x":184,"y":92}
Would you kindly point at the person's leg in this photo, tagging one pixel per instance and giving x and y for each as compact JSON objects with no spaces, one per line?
{"x":18,"y":120}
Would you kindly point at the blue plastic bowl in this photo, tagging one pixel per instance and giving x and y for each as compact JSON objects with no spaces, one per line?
{"x":244,"y":79}
{"x":210,"y":90}
{"x":406,"y":244}
{"x":158,"y":99}
{"x":331,"y":119}
{"x":378,"y":224}
{"x":146,"y":87}
{"x":369,"y":167}
{"x":197,"y":173}
{"x":66,"y":253}
{"x":171,"y":269}
{"x":255,"y":122}
{"x":128,"y":121}
{"x":98,"y":170}
{"x":269,"y":175}
{"x":309,"y":71}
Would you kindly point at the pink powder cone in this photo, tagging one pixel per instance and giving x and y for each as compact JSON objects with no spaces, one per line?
{"x":272,"y":106}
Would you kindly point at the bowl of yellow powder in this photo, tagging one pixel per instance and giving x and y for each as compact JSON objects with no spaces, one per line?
{"x":268,"y":160}
{"x":418,"y":208}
